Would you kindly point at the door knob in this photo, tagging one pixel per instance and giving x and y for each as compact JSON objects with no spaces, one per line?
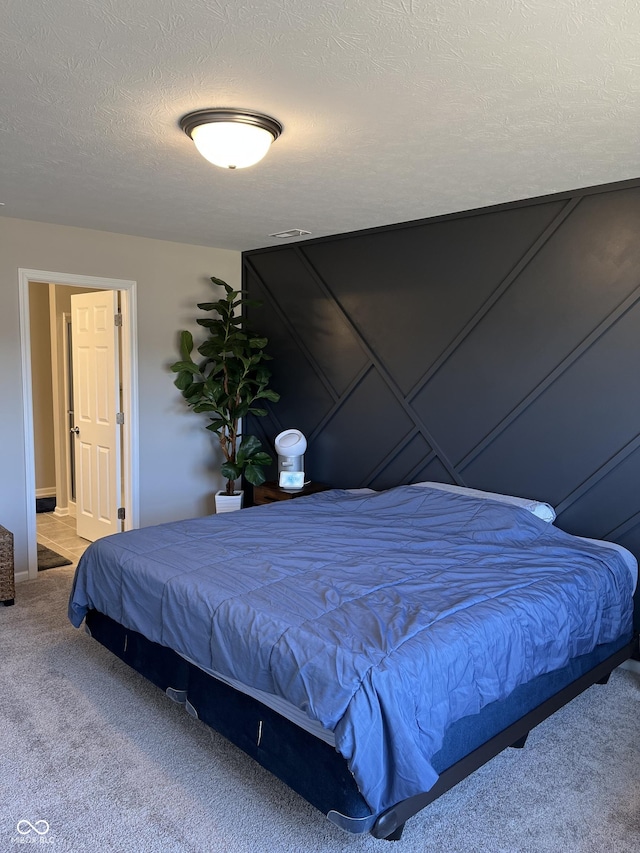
{"x":75,"y":430}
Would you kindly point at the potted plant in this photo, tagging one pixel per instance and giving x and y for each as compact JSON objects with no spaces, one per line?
{"x":228,"y":383}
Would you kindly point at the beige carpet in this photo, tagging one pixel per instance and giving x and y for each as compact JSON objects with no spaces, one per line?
{"x":110,"y":764}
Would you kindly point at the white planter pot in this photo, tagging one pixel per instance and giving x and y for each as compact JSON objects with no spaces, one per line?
{"x":228,"y":503}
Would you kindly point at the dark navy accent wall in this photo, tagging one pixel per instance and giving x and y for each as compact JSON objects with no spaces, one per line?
{"x":498,"y":348}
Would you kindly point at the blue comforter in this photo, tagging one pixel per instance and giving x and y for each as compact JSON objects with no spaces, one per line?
{"x":384,"y":616}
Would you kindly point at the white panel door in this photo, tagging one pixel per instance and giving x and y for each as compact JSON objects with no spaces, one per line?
{"x":96,"y":400}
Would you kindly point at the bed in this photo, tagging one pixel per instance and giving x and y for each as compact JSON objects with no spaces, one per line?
{"x":371,"y":649}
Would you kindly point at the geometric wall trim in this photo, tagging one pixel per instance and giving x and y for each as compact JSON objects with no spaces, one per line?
{"x":498,"y":348}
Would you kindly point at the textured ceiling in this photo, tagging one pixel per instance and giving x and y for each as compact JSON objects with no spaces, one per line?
{"x":392,"y":109}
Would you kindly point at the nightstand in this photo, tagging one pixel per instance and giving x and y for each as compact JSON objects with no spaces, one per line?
{"x":270,"y":492}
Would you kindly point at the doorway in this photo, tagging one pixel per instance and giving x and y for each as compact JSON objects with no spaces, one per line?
{"x":126,"y":292}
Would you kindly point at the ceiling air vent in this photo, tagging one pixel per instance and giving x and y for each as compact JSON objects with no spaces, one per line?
{"x":292,"y":232}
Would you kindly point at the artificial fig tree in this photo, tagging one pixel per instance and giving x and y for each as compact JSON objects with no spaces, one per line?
{"x":229,"y":382}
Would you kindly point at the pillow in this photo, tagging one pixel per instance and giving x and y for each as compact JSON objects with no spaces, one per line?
{"x":542,"y":510}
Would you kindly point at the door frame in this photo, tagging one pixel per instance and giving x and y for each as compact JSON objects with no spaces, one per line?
{"x":129,"y":367}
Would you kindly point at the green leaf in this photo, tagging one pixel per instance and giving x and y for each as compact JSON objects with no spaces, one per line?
{"x":186,"y":345}
{"x":209,"y":348}
{"x":250,"y":444}
{"x":183,"y":380}
{"x":258,"y":343}
{"x":254,"y":475}
{"x":272,"y":396}
{"x":217,"y":425}
{"x":190,"y":366}
{"x":205,"y":407}
{"x":195,"y":392}
{"x":230,"y":471}
{"x":209,"y":306}
{"x":208,"y":322}
{"x":261,"y":458}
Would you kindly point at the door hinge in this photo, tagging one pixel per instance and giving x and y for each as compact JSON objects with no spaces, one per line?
{"x":117,"y":319}
{"x":121,"y":513}
{"x":119,"y":417}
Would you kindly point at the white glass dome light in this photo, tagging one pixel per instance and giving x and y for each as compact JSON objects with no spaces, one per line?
{"x":231,"y":146}
{"x":231,"y":139}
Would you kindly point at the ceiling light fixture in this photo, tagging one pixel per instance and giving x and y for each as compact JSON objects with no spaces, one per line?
{"x":232,"y":139}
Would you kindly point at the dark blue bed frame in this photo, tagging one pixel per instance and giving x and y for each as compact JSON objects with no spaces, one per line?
{"x":289,"y":752}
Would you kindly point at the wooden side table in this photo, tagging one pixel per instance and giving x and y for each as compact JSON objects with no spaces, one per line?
{"x":7,"y":576}
{"x":270,"y":492}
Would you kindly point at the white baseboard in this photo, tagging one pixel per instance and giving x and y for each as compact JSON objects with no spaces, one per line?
{"x":49,"y":492}
{"x":632,"y":666}
{"x":21,"y":576}
{"x":62,"y":511}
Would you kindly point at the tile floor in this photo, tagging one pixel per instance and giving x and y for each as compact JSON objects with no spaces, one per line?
{"x":59,"y":534}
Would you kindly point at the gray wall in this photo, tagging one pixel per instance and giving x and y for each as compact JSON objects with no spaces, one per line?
{"x":44,"y":454}
{"x":498,"y":349}
{"x":178,"y":459}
